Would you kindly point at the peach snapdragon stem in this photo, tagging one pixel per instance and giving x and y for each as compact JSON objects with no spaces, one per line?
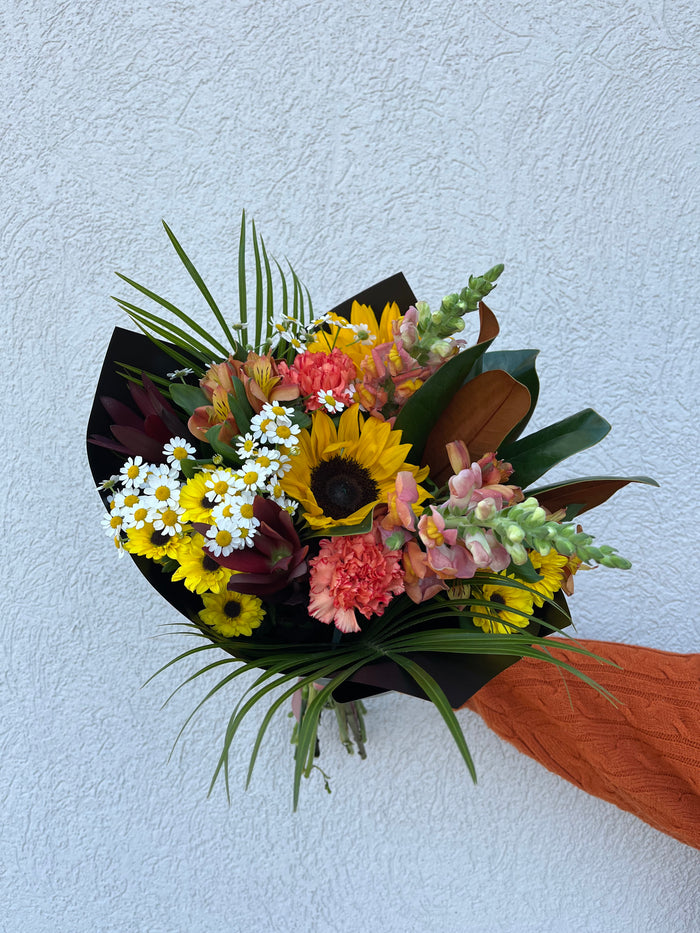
{"x":643,"y":755}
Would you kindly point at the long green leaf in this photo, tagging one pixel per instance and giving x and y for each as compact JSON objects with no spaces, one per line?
{"x":184,"y":361}
{"x":177,"y":334}
{"x":269,"y":293}
{"x":258,"y":290}
{"x":169,"y":306}
{"x":242,"y":284}
{"x":145,"y":322}
{"x":188,"y":398}
{"x":199,"y":282}
{"x":435,"y":693}
{"x":534,"y":455}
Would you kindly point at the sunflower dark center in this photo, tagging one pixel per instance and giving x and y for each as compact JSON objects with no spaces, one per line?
{"x":208,"y":563}
{"x":341,"y":486}
{"x":159,"y":538}
{"x":232,"y":609}
{"x":497,"y":598}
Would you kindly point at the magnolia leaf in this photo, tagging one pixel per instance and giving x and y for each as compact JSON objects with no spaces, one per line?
{"x":533,"y":455}
{"x":417,"y":417}
{"x":481,"y":414}
{"x":584,"y":494}
{"x":521,"y":365}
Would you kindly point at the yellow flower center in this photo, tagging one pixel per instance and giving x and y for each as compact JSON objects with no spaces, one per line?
{"x":283,"y":430}
{"x":163,"y":493}
{"x":140,"y":514}
{"x":221,"y":487}
{"x":179,"y":453}
{"x":131,"y":500}
{"x":133,"y":471}
{"x":247,"y":510}
{"x":115,"y":521}
{"x":223,"y":538}
{"x":170,"y":518}
{"x":251,"y":477}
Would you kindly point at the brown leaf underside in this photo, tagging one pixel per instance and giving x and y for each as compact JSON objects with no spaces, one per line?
{"x":587,"y":493}
{"x":481,"y":414}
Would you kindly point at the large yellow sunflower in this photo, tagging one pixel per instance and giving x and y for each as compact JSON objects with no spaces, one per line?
{"x":339,"y":475}
{"x":357,"y":346}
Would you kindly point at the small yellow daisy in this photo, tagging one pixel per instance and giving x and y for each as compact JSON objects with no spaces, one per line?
{"x":496,"y":617}
{"x":232,"y":614}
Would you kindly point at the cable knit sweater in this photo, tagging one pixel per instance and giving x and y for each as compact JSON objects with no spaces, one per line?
{"x":643,"y":755}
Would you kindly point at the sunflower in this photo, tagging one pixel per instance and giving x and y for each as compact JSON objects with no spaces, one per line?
{"x":356,"y":341}
{"x":497,"y":617}
{"x":339,"y":475}
{"x":231,"y":614}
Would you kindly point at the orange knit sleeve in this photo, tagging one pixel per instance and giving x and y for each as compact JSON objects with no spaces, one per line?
{"x":643,"y":756}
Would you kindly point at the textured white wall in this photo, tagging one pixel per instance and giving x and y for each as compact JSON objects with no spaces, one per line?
{"x":436,"y":138}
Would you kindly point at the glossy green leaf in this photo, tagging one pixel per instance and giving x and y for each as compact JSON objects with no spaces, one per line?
{"x":534,"y":455}
{"x":188,"y":397}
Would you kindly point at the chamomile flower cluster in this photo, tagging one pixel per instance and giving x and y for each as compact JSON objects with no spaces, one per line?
{"x":224,"y":498}
{"x":145,"y":500}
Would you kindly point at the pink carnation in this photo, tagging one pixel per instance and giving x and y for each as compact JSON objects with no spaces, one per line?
{"x":333,"y":372}
{"x":355,"y":572}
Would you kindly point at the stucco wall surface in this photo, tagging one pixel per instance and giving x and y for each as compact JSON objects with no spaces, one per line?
{"x":434,"y":138}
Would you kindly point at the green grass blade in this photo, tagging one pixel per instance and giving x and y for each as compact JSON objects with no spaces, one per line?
{"x":185,"y":362}
{"x":269,"y":293}
{"x":166,"y":330}
{"x":242,"y":285}
{"x":285,"y":293}
{"x":434,"y":692}
{"x":258,"y":290}
{"x":185,"y":340}
{"x":169,"y":306}
{"x":199,"y":282}
{"x":298,"y":298}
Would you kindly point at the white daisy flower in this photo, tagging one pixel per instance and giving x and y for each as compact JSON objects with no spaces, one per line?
{"x":177,"y":450}
{"x":271,"y":459}
{"x":134,"y":472}
{"x":162,"y":490}
{"x":180,"y":374}
{"x":251,"y":477}
{"x":246,"y":446}
{"x":167,"y":521}
{"x":135,"y":516}
{"x":113,"y":523}
{"x":284,"y":434}
{"x":329,"y":401}
{"x":221,"y":541}
{"x":109,"y":484}
{"x":219,"y":485}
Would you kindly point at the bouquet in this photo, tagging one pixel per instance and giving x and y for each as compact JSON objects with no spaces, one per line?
{"x":342,"y":503}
